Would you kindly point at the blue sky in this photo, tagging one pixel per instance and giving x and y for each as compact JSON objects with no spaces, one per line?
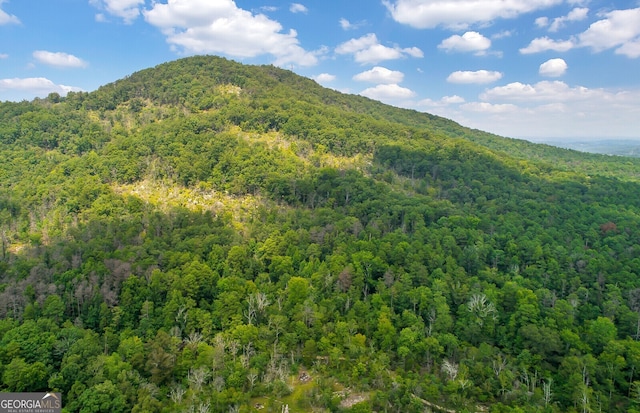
{"x":520,"y":68}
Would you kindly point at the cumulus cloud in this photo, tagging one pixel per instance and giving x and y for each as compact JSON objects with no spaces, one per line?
{"x":35,"y":86}
{"x":355,"y":45}
{"x":127,"y":10}
{"x":204,"y":26}
{"x":543,"y":44}
{"x":468,"y":42}
{"x":577,"y":14}
{"x":367,"y":50}
{"x":630,"y":49}
{"x":428,"y":14}
{"x":619,"y":28}
{"x":6,"y":18}
{"x":479,"y":77}
{"x":380,"y":75}
{"x":542,"y":22}
{"x":58,"y":59}
{"x":347,"y":25}
{"x":443,"y":102}
{"x":553,"y":68}
{"x":324,"y":78}
{"x":413,"y":51}
{"x":551,"y":108}
{"x":387,"y":93}
{"x":485,"y":107}
{"x":548,"y":91}
{"x":452,"y":99}
{"x":377,"y":53}
{"x":298,"y":8}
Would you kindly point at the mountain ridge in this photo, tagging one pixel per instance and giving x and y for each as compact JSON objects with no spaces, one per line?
{"x":314,"y":94}
{"x":208,"y":236}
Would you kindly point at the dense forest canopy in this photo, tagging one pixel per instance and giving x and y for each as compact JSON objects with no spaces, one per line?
{"x":209,"y":236}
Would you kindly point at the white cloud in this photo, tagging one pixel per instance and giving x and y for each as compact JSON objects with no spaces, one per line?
{"x":413,"y":51}
{"x":58,"y":59}
{"x":377,"y":53}
{"x":324,"y":78}
{"x":503,"y":34}
{"x":547,"y":91}
{"x":354,"y":45}
{"x":3,"y":55}
{"x":298,"y":8}
{"x":452,"y":99}
{"x":551,"y":108}
{"x":6,"y":18}
{"x":443,"y":102}
{"x":347,"y":25}
{"x":468,"y":42}
{"x":542,"y":22}
{"x":380,"y":75}
{"x":367,"y":50}
{"x":485,"y":107}
{"x":388,"y":93}
{"x":479,"y":76}
{"x":35,"y":86}
{"x":553,"y":68}
{"x":620,"y":28}
{"x":204,"y":26}
{"x":630,"y":49}
{"x":543,"y":44}
{"x":428,"y":14}
{"x":127,"y":10}
{"x":577,"y":14}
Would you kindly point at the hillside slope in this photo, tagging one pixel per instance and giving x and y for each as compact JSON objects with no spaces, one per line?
{"x":206,"y":235}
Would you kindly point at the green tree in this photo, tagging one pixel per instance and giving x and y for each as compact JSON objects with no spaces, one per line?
{"x":102,"y":398}
{"x":20,"y":376}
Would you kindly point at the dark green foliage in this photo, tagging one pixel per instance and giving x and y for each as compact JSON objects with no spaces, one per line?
{"x":200,"y":233}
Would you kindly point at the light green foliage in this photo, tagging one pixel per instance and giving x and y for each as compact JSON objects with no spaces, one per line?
{"x":196,"y":236}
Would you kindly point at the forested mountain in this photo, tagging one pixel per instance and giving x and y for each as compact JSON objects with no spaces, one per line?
{"x":208,"y":236}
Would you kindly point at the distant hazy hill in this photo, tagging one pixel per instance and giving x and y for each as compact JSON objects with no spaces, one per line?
{"x":209,"y":236}
{"x":617,"y":147}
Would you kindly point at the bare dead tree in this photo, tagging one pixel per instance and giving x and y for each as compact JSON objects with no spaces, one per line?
{"x":204,"y":407}
{"x":175,"y":331}
{"x":450,"y":369}
{"x":252,"y":377}
{"x":480,"y":306}
{"x":218,"y":383}
{"x":150,"y":388}
{"x":498,"y":365}
{"x":197,"y":377}
{"x":233,"y":347}
{"x":193,"y":340}
{"x":546,"y":390}
{"x":176,"y":393}
{"x":181,"y":317}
